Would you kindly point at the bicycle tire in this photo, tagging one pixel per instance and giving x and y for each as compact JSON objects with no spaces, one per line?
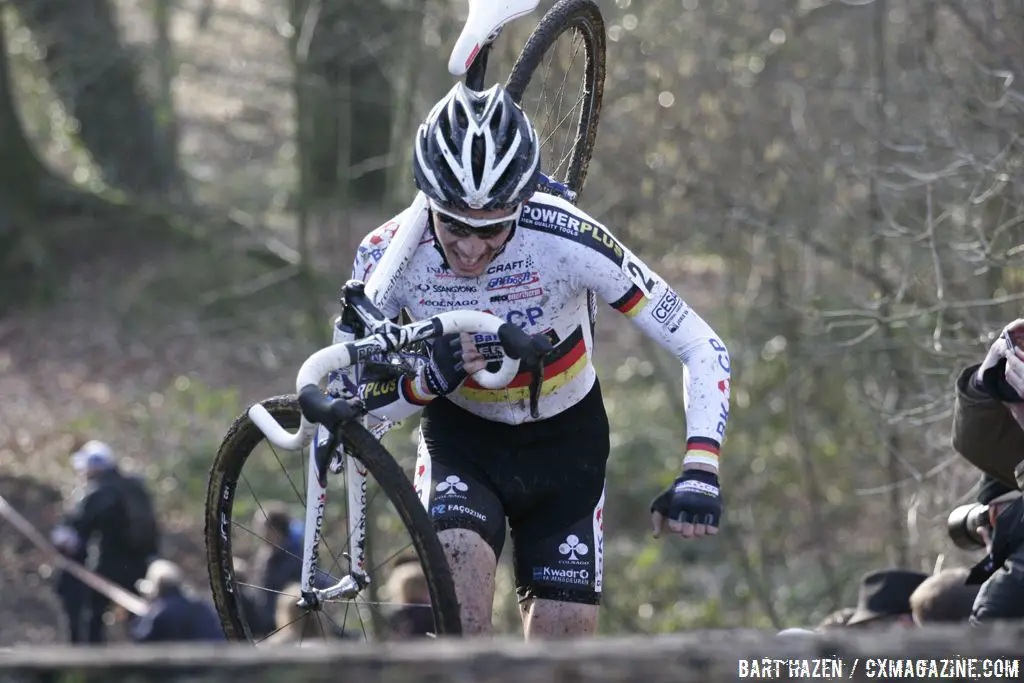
{"x":583,"y":17}
{"x":239,"y":442}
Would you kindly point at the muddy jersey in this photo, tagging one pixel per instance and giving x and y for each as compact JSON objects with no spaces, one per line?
{"x":540,"y":282}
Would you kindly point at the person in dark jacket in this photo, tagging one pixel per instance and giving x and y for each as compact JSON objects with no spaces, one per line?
{"x":988,"y":410}
{"x":988,"y":431}
{"x":412,"y":615}
{"x":1001,"y":572}
{"x":278,"y":562}
{"x":174,"y":614}
{"x":99,"y":513}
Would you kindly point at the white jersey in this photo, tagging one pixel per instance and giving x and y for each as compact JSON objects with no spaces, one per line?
{"x":540,"y":282}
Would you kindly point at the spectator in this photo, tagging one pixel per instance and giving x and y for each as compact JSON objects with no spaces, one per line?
{"x":986,"y":410}
{"x":107,"y":510}
{"x":407,"y":586}
{"x":988,"y":430}
{"x":294,"y":624}
{"x":943,"y":598}
{"x":884,"y":599}
{"x":277,"y":563}
{"x":836,"y":619}
{"x":248,"y":600}
{"x":174,"y":613}
{"x":1001,"y":573}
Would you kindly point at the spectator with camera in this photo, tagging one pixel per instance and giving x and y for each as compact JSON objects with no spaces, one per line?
{"x":988,"y":432}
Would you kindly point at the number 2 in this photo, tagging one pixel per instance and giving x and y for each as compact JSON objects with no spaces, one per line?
{"x":641,"y":279}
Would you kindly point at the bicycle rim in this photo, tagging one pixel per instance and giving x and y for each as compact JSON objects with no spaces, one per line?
{"x":248,"y":474}
{"x":566,"y":48}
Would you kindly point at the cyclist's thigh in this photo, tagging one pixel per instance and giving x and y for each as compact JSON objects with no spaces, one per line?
{"x":559,"y":540}
{"x":455,"y":491}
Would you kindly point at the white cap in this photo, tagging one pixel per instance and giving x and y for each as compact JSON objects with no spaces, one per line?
{"x":160,"y":575}
{"x":94,"y":455}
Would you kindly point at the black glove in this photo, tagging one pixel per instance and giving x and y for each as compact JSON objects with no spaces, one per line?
{"x":693,"y":497}
{"x":445,"y":371}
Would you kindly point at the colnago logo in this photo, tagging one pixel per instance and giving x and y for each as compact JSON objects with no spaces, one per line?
{"x":512,"y":280}
{"x":573,"y":547}
{"x":573,"y":576}
{"x":358,"y":506}
{"x":451,"y":486}
{"x":314,"y":556}
{"x":441,"y":303}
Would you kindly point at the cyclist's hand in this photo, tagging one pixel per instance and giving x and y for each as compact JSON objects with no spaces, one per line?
{"x":692,"y":505}
{"x":452,"y":359}
{"x":1000,"y":373}
{"x":472,"y":359}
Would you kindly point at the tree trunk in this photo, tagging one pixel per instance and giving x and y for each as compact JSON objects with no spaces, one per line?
{"x":98,"y":81}
{"x":348,"y":97}
{"x":20,"y":176}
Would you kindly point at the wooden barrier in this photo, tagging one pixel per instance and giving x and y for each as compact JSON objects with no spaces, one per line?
{"x":696,"y":657}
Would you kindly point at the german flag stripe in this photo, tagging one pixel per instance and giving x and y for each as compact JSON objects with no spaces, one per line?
{"x":564,"y":356}
{"x":413,"y":396}
{"x":703,"y":445}
{"x":631,"y":303}
{"x":522,"y":393}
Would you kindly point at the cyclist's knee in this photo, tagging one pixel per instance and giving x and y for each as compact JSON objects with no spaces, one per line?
{"x":473,"y":565}
{"x":559,"y":619}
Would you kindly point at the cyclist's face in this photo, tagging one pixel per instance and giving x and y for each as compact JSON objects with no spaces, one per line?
{"x":469,"y":249}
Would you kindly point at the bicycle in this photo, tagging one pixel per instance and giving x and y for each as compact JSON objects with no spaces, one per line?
{"x":334,"y":424}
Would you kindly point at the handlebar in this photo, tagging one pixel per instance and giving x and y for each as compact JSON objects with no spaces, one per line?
{"x":317,"y":408}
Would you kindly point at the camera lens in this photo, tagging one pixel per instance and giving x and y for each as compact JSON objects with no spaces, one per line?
{"x":963,"y":523}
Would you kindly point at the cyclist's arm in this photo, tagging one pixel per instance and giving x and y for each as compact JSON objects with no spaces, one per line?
{"x":393,"y":399}
{"x":639,"y":293}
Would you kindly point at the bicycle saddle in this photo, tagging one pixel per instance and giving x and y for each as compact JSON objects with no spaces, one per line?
{"x":485,"y":18}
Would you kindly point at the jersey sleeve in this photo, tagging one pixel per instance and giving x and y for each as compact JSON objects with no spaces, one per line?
{"x":368,"y":255}
{"x":623,"y":280}
{"x":391,"y":400}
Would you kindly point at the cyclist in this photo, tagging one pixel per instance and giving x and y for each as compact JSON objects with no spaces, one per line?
{"x":493,"y":243}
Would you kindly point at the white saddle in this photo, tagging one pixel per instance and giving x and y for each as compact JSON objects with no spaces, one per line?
{"x":486,"y":17}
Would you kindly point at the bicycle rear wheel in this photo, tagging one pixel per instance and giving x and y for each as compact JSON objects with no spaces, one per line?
{"x":242,"y":484}
{"x":540,"y":82}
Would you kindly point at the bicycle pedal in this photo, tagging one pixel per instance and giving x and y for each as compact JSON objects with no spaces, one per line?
{"x":337,"y":464}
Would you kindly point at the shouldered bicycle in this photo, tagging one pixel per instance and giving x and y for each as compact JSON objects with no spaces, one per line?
{"x":332,"y":442}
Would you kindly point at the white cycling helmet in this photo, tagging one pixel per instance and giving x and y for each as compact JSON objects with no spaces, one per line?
{"x":477,"y":150}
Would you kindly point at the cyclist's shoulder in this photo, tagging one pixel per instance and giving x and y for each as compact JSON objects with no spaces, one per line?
{"x":381,"y":236}
{"x":571,"y":226}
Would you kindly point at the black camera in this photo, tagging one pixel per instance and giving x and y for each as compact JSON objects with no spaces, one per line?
{"x":963,"y":523}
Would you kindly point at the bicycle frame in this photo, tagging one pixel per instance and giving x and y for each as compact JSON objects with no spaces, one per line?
{"x":379,"y":335}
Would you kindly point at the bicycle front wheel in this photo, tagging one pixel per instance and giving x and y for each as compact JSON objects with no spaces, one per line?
{"x":566,"y":48}
{"x":255,"y":506}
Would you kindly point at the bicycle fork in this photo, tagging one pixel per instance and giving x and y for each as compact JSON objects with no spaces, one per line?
{"x":350,"y":585}
{"x":320,"y":464}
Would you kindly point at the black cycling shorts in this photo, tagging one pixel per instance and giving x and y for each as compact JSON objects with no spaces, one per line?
{"x":546,"y":478}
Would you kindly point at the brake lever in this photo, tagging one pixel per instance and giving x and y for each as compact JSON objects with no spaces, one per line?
{"x":536,"y":382}
{"x":540,"y":347}
{"x":530,"y":351}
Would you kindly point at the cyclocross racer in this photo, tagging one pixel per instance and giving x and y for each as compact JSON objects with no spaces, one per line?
{"x":491,"y":242}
